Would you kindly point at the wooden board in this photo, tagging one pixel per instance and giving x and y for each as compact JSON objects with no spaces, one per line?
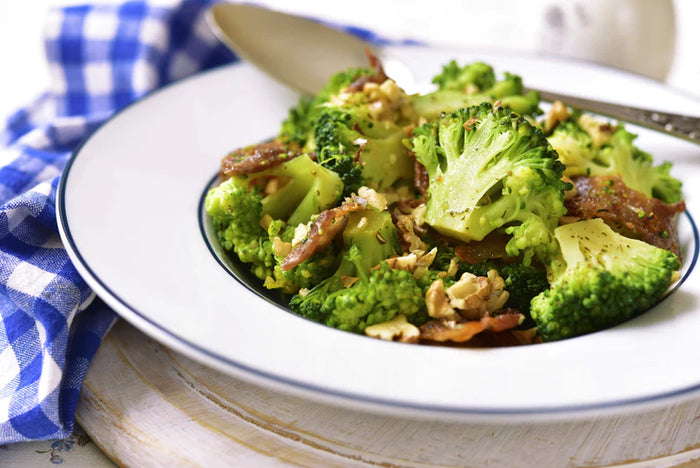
{"x":146,"y":405}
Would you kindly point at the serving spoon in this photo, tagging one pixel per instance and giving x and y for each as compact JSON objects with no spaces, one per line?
{"x":303,"y":53}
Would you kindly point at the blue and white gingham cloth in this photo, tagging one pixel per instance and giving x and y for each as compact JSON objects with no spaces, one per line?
{"x":101,"y":58}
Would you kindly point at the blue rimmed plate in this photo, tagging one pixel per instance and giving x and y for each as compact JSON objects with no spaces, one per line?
{"x":130,"y":216}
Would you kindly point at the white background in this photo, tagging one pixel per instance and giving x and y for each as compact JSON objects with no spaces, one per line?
{"x":637,"y":40}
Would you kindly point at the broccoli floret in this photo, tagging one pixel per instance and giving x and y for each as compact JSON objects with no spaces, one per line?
{"x":337,"y":146}
{"x":471,"y":85}
{"x":478,"y":76}
{"x":597,"y":148}
{"x":363,"y":149}
{"x":490,"y":169}
{"x":357,"y":295}
{"x":377,"y":297}
{"x":523,"y":282}
{"x":236,"y":208}
{"x":299,"y":125}
{"x":600,"y":279}
{"x":235,"y":213}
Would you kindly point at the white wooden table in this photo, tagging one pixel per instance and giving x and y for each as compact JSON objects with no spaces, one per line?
{"x":146,"y":405}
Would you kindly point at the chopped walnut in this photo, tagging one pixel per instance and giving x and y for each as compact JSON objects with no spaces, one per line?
{"x":437,"y":303}
{"x":472,"y":297}
{"x":374,"y":198}
{"x":417,"y":262}
{"x":424,"y":262}
{"x":498,"y":296}
{"x":301,"y":232}
{"x":558,"y":113}
{"x":281,"y":248}
{"x":410,"y":225}
{"x":397,"y":329}
{"x":407,"y":234}
{"x":600,"y":132}
{"x":406,"y":262}
{"x":386,"y":100}
{"x":451,"y":269}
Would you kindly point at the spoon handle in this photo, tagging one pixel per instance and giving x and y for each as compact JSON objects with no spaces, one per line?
{"x":681,"y":126}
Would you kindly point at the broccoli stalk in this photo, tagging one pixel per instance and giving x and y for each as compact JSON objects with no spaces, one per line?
{"x":600,"y":279}
{"x":596,"y":148}
{"x":491,"y":169}
{"x":308,"y":189}
{"x":358,"y":294}
{"x":471,"y":85}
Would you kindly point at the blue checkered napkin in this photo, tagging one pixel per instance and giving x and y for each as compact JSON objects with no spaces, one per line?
{"x":101,"y":58}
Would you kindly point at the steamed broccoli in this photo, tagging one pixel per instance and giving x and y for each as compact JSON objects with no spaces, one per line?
{"x":589,"y":147}
{"x":377,"y":297}
{"x":360,"y":135}
{"x":471,"y":85}
{"x":236,"y":213}
{"x":490,"y":169}
{"x":337,"y":147}
{"x":298,"y":127}
{"x":600,"y":279}
{"x":358,"y":295}
{"x":237,"y":209}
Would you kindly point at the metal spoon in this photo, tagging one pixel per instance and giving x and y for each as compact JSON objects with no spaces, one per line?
{"x":303,"y":53}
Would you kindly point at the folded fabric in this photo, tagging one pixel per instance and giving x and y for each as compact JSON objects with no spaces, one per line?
{"x":101,"y":58}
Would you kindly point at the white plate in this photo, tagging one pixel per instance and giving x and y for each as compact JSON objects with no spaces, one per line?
{"x":129,"y":205}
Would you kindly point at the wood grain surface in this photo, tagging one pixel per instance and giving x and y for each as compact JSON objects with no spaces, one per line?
{"x":146,"y":405}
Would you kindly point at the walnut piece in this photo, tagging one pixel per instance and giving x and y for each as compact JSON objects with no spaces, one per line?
{"x":472,"y":297}
{"x":396,"y":329}
{"x":600,"y":132}
{"x":374,"y":198}
{"x":437,"y":302}
{"x":558,"y":113}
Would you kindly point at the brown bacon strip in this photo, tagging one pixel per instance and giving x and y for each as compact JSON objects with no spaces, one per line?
{"x":256,"y":158}
{"x":322,"y":232}
{"x":488,"y":339}
{"x":379,"y":76}
{"x":492,"y":246}
{"x":626,"y":211}
{"x":438,"y":330}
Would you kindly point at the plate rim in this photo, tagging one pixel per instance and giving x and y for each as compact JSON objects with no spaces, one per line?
{"x":300,"y":388}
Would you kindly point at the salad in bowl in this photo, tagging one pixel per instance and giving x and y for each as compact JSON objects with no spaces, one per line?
{"x":465,"y":216}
